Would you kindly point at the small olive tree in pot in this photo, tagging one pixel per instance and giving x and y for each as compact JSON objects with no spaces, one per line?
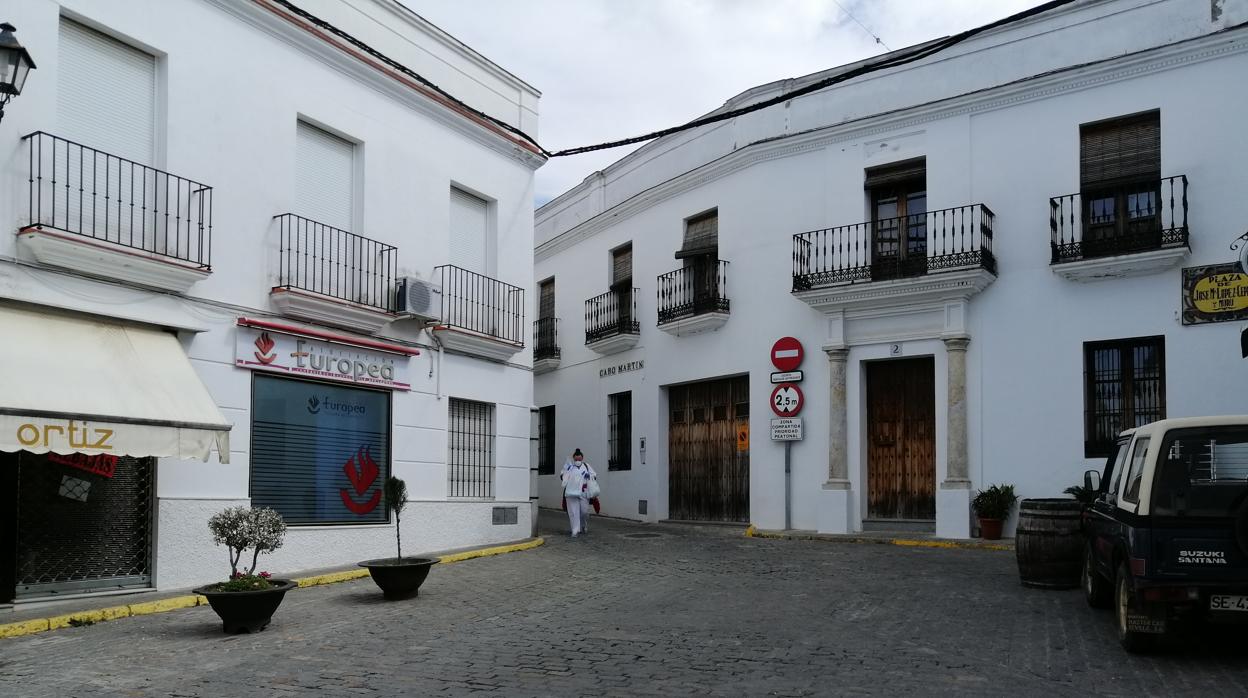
{"x":247,"y":600}
{"x":399,"y":577}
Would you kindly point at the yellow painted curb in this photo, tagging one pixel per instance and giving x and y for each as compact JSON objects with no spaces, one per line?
{"x":752,"y":532}
{"x":332,"y":578}
{"x":99,"y":615}
{"x":487,"y":552}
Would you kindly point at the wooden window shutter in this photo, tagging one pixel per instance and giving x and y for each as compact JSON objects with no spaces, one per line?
{"x":1120,"y":150}
{"x":546,"y":299}
{"x":896,"y":172}
{"x":701,"y":236}
{"x":622,"y":265}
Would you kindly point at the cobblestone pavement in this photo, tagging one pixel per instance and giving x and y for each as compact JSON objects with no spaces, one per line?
{"x":691,"y":610}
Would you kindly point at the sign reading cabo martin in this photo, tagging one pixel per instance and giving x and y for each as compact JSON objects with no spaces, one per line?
{"x":622,"y":368}
{"x":265,"y":350}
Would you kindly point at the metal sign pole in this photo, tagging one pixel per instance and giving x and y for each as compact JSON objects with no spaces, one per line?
{"x":788,"y":502}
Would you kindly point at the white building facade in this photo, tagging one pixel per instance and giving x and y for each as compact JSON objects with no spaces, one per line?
{"x":254,"y":244}
{"x":994,"y":258}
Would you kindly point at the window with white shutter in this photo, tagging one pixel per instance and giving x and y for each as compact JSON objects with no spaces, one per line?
{"x":468,"y":231}
{"x":106,"y":94}
{"x":324,"y":177}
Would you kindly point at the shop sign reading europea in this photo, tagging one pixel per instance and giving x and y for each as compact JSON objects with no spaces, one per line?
{"x":264,"y":350}
{"x":1214,"y":293}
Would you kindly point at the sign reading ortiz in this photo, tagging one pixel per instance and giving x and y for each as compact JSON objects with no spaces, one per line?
{"x":264,"y":350}
{"x":1215,"y":293}
{"x":93,"y":446}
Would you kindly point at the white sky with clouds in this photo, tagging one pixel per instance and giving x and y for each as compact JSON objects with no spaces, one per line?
{"x":610,"y":69}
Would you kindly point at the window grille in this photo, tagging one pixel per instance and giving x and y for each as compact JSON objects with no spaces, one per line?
{"x":470,"y":443}
{"x":546,"y":441}
{"x":1125,"y":388}
{"x":620,"y":415}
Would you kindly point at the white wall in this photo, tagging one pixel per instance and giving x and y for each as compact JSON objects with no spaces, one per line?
{"x":1011,"y":149}
{"x":231,"y":94}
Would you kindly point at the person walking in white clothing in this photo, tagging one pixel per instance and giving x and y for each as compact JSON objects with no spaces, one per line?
{"x":578,"y":480}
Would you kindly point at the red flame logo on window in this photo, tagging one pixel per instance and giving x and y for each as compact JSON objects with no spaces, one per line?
{"x":361,"y":471}
{"x":265,"y":344}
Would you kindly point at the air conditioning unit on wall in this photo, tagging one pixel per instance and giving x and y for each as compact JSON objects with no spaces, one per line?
{"x":420,"y":299}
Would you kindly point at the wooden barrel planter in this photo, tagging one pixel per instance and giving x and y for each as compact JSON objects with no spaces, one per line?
{"x":1049,"y":543}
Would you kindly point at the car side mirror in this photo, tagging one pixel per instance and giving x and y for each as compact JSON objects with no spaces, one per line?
{"x":1092,"y":481}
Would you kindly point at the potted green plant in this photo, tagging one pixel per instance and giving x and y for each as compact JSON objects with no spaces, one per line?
{"x":993,"y":507}
{"x":399,"y":577}
{"x":247,"y":600}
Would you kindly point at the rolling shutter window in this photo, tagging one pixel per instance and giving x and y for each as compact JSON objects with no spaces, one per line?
{"x":106,"y":94}
{"x":1120,"y":150}
{"x":701,"y":236}
{"x":896,"y":173}
{"x":546,"y":302}
{"x":468,"y":231}
{"x":324,"y":177}
{"x":622,"y":265}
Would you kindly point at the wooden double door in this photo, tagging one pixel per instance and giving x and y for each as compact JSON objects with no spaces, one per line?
{"x":901,"y":439}
{"x":708,"y":465}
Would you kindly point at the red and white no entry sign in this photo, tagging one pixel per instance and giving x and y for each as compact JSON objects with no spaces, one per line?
{"x":787,"y":400}
{"x":786,"y":354}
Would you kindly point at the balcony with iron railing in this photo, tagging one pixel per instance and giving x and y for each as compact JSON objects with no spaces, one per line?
{"x":480,"y":314}
{"x":1124,"y":229}
{"x":114,"y":218}
{"x":694,"y":298}
{"x":903,"y":259}
{"x":611,"y":324}
{"x":546,"y":353}
{"x":332,"y":276}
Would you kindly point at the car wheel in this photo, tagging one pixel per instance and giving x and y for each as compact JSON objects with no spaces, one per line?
{"x":1131,"y":641}
{"x":1096,"y":589}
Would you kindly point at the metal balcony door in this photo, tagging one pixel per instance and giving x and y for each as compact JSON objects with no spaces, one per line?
{"x":708,"y":473}
{"x":901,"y":439}
{"x":79,"y":531}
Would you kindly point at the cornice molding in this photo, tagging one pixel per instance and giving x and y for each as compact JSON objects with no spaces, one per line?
{"x":887,"y":296}
{"x":1070,"y":79}
{"x":262,"y":17}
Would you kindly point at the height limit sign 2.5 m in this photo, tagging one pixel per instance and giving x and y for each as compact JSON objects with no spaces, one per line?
{"x":787,"y":400}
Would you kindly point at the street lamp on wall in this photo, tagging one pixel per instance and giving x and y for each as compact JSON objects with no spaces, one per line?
{"x":15,"y":65}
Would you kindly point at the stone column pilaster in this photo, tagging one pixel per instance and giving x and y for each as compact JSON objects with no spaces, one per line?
{"x":838,"y":424}
{"x":957,"y":471}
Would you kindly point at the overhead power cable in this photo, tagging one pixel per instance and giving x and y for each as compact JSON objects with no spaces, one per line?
{"x":878,"y":40}
{"x":888,"y":61}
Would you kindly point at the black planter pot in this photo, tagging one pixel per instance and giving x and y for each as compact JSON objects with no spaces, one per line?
{"x":399,"y":578}
{"x":247,"y":611}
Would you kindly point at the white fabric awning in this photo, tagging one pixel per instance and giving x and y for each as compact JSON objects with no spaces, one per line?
{"x":81,"y":385}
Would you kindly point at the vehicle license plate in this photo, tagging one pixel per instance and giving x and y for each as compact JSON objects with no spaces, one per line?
{"x":1228,"y":602}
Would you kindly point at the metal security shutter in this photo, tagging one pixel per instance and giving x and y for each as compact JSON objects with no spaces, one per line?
{"x":470,"y":449}
{"x":1120,"y":150}
{"x":468,"y":231}
{"x":106,"y":94}
{"x":701,"y":236}
{"x":324,"y":177}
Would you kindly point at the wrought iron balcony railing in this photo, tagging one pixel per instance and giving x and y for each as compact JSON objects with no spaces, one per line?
{"x":546,"y":338}
{"x":700,"y":288}
{"x":481,"y":304}
{"x":612,"y":313}
{"x":77,"y":189}
{"x":1119,"y":219}
{"x":892,"y":248}
{"x":331,"y":262}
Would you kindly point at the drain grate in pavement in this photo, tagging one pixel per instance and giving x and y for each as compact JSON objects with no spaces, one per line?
{"x":643,"y":535}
